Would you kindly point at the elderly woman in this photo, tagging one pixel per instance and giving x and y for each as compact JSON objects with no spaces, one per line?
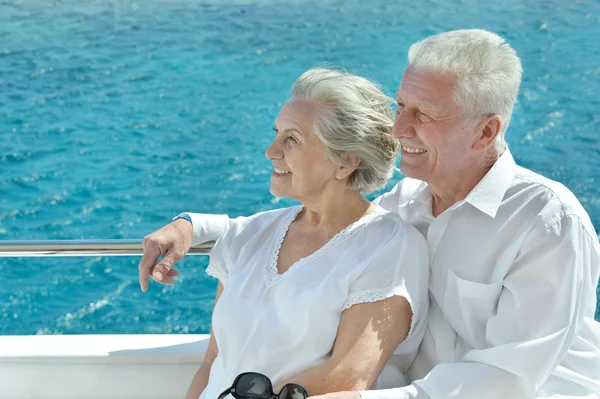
{"x":323,"y":293}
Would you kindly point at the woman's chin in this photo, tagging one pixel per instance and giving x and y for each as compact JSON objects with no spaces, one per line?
{"x":281,"y":192}
{"x":277,"y":191}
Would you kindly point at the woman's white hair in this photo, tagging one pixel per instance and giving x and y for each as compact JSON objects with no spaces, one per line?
{"x":488,"y":69}
{"x":356,"y":123}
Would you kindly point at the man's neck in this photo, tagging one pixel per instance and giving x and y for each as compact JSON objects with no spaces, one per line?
{"x":457,"y":187}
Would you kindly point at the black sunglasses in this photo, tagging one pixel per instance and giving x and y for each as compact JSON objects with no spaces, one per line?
{"x":257,"y":386}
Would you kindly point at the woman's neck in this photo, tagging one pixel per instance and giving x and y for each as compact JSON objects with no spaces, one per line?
{"x":335,"y":211}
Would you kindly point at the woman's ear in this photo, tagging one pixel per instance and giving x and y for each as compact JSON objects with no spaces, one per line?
{"x":352,"y":162}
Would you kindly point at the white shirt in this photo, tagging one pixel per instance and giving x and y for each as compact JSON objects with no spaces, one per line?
{"x":513,"y":276}
{"x":283,"y":324}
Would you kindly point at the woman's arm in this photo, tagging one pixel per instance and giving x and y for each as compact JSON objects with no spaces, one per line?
{"x":367,"y":336}
{"x":201,"y":378}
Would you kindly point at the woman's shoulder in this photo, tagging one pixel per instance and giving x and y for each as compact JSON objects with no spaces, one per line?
{"x":261,"y":220}
{"x":384,"y":219}
{"x":254,"y":230}
{"x":389,"y":224}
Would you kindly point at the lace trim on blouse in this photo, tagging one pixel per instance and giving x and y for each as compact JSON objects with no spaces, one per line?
{"x":271,"y":273}
{"x":380,"y":294}
{"x":211,"y":270}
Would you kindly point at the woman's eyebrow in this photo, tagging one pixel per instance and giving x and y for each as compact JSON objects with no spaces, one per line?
{"x":293,"y":129}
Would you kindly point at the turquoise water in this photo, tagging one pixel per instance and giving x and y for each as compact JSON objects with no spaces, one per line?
{"x":117,"y":115}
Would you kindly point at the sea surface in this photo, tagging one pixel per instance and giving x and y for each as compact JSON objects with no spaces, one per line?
{"x":117,"y":115}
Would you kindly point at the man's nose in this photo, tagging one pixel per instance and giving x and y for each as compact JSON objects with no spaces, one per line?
{"x":403,"y":125}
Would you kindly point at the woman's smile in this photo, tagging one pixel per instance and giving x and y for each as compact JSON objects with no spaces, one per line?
{"x":280,"y":172}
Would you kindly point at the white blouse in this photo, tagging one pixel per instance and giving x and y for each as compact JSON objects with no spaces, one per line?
{"x":283,"y":324}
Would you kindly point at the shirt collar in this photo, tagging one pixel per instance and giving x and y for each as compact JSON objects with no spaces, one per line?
{"x":487,"y":195}
{"x":421,"y":198}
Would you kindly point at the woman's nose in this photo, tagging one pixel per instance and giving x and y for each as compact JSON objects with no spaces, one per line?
{"x":274,"y":150}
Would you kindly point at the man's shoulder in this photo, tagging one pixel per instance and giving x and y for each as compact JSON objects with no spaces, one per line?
{"x":553,"y":200}
{"x":400,"y":194}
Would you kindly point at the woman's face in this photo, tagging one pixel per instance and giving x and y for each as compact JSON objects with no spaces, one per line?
{"x":301,"y":170}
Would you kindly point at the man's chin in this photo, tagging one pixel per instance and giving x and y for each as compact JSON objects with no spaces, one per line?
{"x":411,"y":171}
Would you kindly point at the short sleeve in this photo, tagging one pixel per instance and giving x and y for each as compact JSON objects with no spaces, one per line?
{"x":226,"y":250}
{"x":218,"y":265}
{"x":229,"y":247}
{"x":399,"y":267}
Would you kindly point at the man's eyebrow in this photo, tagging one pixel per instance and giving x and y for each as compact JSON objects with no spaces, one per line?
{"x":428,"y":105}
{"x":431,"y":105}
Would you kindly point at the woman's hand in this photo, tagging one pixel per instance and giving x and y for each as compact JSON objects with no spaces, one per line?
{"x":171,"y":242}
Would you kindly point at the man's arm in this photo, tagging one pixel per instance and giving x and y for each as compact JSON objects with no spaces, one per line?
{"x":540,"y":311}
{"x":208,"y":227}
{"x":173,"y":242}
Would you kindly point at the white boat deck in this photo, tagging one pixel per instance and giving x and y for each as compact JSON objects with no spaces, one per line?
{"x":96,"y":366}
{"x":99,"y":366}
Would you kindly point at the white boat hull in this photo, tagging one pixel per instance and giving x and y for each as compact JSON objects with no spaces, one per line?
{"x":99,"y":366}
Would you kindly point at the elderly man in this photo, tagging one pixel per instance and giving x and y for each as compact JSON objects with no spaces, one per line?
{"x":514,"y":256}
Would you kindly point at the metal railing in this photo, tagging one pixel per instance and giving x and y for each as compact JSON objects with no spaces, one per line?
{"x":31,"y":248}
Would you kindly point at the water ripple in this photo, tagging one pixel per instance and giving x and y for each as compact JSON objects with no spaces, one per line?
{"x":114,"y":116}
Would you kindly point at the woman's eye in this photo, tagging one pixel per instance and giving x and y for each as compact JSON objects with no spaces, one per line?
{"x":292,"y":138}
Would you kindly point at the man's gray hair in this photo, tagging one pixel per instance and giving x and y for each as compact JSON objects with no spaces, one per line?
{"x":488,"y":69}
{"x":356,"y":122}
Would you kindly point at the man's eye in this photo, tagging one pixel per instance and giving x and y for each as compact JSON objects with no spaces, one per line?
{"x":424,"y":117}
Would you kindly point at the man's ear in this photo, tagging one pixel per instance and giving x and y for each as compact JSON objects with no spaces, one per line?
{"x":344,"y":171}
{"x":487,"y":131}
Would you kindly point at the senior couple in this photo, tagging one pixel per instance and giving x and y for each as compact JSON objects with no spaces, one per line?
{"x":472,"y":278}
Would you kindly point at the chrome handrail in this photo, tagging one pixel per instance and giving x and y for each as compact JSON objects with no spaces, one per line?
{"x":31,"y":248}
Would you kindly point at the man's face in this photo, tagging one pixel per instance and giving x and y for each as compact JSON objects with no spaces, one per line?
{"x":429,"y":125}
